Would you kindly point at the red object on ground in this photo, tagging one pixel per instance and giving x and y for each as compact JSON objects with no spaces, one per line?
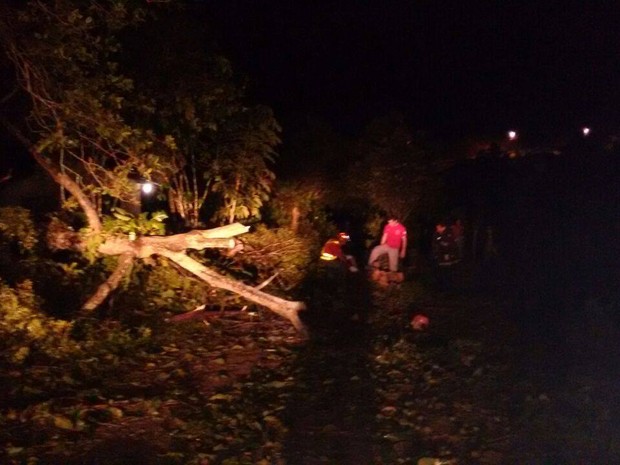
{"x":419,"y":322}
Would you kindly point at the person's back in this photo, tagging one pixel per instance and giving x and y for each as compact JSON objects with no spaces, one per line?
{"x":445,"y":256}
{"x":333,"y":254}
{"x":445,"y":248}
{"x":332,"y":250}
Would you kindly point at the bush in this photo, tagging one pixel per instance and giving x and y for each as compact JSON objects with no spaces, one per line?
{"x":17,"y":226}
{"x":271,"y":251}
{"x":159,"y":285}
{"x":25,"y":331}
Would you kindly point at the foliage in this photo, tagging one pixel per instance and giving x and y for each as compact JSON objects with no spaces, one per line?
{"x":279,"y":252}
{"x":16,"y":224}
{"x":104,"y":116}
{"x":243,"y":173}
{"x":144,"y":224}
{"x":395,"y":171}
{"x":64,"y":54}
{"x":98,"y":126}
{"x":160,"y":287}
{"x":373,"y":227}
{"x":223,"y":147}
{"x":60,"y":279}
{"x":195,"y":398}
{"x":110,"y":339}
{"x":307,"y":198}
{"x":188,"y":396}
{"x":25,"y":331}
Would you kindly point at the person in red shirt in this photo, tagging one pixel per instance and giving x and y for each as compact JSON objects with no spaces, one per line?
{"x":393,"y":243}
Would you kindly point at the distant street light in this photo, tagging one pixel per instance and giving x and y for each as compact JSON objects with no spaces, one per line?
{"x":585,"y":131}
{"x":512,"y":135}
{"x":147,"y":187}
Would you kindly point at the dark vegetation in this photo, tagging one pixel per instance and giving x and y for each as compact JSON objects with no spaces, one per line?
{"x":518,"y":366}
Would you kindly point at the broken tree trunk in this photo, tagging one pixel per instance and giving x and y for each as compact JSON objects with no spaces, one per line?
{"x":285,"y":308}
{"x":123,"y":268}
{"x":173,"y":248}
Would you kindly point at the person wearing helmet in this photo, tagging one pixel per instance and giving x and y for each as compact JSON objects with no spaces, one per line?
{"x":332,"y":252}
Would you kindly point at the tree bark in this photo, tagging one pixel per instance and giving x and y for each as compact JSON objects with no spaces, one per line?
{"x":62,"y":179}
{"x":285,"y":308}
{"x":295,"y":214}
{"x":173,"y":248}
{"x":123,"y":268}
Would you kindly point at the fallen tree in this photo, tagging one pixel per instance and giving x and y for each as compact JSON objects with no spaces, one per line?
{"x":173,"y":248}
{"x":79,"y":133}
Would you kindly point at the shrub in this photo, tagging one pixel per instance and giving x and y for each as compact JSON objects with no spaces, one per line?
{"x":17,"y":226}
{"x":25,"y":331}
{"x":271,"y":251}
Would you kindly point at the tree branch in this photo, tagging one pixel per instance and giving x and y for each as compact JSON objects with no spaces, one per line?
{"x":285,"y":308}
{"x":65,"y":181}
{"x":123,"y":268}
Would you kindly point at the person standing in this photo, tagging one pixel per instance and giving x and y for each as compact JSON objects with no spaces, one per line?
{"x":459,"y":238}
{"x":393,"y":243}
{"x":445,"y":255}
{"x":445,"y":248}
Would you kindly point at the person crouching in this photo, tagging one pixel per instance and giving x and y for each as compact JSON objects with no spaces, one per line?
{"x":333,"y":255}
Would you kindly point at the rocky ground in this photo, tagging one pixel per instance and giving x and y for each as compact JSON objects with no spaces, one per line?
{"x":364,"y":388}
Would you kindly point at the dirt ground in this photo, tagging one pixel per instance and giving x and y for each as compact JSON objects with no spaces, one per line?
{"x":364,"y":388}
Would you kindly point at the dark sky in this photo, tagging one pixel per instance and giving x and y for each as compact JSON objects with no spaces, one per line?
{"x":465,"y":67}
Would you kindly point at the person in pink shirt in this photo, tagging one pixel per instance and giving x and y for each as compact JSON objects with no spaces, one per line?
{"x":393,"y":243}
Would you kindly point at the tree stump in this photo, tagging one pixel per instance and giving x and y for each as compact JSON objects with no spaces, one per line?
{"x":385,"y":278}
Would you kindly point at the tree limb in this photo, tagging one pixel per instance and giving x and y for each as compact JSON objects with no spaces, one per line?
{"x":285,"y":308}
{"x":62,"y":179}
{"x":173,"y":248}
{"x":153,"y":245}
{"x":123,"y":268}
{"x":266,"y":282}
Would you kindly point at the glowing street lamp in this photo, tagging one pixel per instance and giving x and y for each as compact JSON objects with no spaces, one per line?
{"x":512,"y":135}
{"x":147,"y":187}
{"x":585,"y":132}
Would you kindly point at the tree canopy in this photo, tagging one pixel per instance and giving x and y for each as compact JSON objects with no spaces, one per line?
{"x":99,"y":124}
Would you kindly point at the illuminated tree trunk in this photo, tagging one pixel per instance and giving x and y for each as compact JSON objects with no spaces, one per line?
{"x":174,"y":249}
{"x":123,"y":268}
{"x":295,"y":219}
{"x":285,"y":308}
{"x":233,"y":205}
{"x":170,"y":247}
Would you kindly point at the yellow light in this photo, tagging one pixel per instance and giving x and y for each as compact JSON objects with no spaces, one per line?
{"x":328,"y":256}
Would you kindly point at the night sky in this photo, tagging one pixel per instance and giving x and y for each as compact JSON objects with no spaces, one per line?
{"x":452,"y":67}
{"x":455,"y":69}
